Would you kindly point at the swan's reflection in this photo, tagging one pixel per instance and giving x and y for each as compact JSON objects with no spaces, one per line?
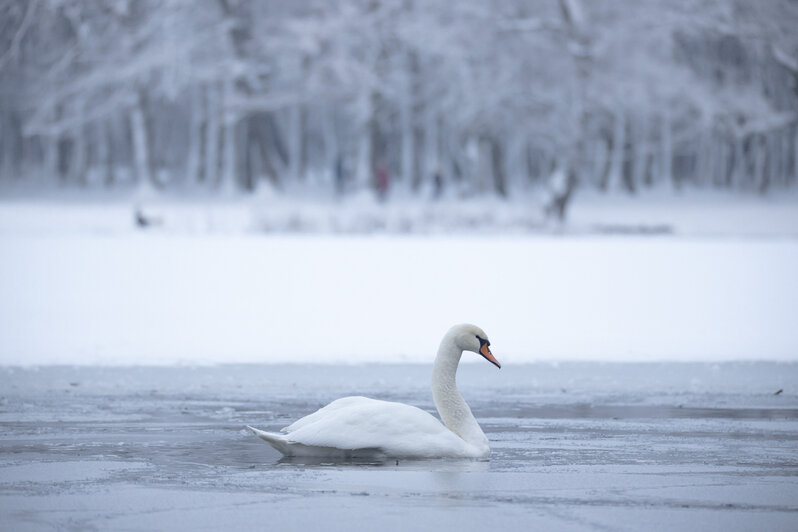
{"x":438,"y":466}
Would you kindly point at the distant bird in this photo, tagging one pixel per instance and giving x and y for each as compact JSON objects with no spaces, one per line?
{"x":358,"y":426}
{"x":779,"y":391}
{"x":143,"y":221}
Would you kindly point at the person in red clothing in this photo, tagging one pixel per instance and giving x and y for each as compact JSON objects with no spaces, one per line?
{"x":383,"y":181}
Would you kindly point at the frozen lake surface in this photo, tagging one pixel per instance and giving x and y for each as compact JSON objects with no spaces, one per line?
{"x":576,"y":446}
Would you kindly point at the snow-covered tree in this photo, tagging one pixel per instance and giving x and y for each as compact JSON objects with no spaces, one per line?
{"x":488,"y":97}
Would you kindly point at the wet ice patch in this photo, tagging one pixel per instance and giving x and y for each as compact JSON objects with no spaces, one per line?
{"x":65,"y":471}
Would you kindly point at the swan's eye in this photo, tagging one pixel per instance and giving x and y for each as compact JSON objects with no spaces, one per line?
{"x":482,"y":340}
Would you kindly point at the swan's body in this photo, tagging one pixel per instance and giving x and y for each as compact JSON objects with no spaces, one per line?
{"x":362,"y":426}
{"x":354,"y":426}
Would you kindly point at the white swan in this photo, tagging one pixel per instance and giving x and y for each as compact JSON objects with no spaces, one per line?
{"x":359,"y":426}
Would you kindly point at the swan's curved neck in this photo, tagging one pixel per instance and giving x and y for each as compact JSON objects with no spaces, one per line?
{"x":454,"y":411}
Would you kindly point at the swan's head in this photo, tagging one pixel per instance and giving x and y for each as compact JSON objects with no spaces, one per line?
{"x":471,"y":338}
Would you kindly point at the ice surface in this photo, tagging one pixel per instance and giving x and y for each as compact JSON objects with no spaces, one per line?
{"x":576,"y":446}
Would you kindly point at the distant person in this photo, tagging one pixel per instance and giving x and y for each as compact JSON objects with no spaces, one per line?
{"x":383,"y":181}
{"x":437,"y":184}
{"x":561,"y":186}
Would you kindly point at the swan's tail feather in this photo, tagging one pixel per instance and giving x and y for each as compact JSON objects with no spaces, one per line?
{"x":278,"y":441}
{"x":291,"y":448}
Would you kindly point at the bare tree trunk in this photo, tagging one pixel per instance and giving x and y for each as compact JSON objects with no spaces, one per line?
{"x":784,"y":148}
{"x":275,"y":154}
{"x":666,"y":150}
{"x":259,"y":127}
{"x":51,"y":155}
{"x":795,"y":151}
{"x":640,"y":151}
{"x":497,"y":164}
{"x":596,"y":156}
{"x":104,"y":155}
{"x":375,"y":156}
{"x":704,"y":159}
{"x":513,"y":163}
{"x":408,"y":136}
{"x":212,"y":135}
{"x":485,"y":178}
{"x":760,"y":177}
{"x":452,"y":165}
{"x":194,"y":159}
{"x":718,"y":162}
{"x":606,"y":168}
{"x":295,"y":141}
{"x":11,"y":143}
{"x":3,"y":144}
{"x":366,"y":153}
{"x":5,"y":148}
{"x":227,"y":178}
{"x":617,"y":156}
{"x":431,"y":145}
{"x":332,"y":148}
{"x":737,"y":172}
{"x":141,"y":147}
{"x":252,"y":159}
{"x":364,"y":170}
{"x":774,"y":157}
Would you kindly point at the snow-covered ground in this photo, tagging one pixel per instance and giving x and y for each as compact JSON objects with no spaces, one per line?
{"x":81,"y":283}
{"x":149,"y":299}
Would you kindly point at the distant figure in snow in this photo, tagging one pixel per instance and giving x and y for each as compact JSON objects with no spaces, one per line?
{"x":437,"y":184}
{"x":561,"y":187}
{"x":143,"y":221}
{"x":383,"y":181}
{"x":339,"y":175}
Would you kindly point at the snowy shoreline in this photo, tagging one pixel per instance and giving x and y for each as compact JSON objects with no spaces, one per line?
{"x":661,"y":212}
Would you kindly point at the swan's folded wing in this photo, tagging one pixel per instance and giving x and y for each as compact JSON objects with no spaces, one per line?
{"x":325,"y":412}
{"x":360,"y":423}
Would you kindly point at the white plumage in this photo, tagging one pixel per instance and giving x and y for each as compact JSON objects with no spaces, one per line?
{"x":359,"y":426}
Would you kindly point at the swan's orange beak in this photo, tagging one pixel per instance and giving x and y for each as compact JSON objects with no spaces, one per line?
{"x":484,"y":350}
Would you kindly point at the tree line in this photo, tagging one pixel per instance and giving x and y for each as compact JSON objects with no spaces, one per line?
{"x":473,"y":96}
